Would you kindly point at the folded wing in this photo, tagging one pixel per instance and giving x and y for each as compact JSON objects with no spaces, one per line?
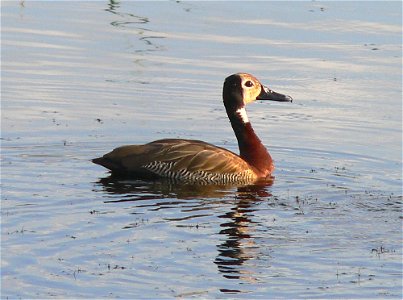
{"x":177,"y":158}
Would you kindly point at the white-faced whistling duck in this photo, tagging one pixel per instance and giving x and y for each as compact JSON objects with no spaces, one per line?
{"x":195,"y":161}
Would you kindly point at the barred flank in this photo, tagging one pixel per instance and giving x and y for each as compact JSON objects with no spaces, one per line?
{"x":164,"y":169}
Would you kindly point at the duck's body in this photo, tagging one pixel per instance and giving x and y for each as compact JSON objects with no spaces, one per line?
{"x":178,"y":159}
{"x":199,"y":162}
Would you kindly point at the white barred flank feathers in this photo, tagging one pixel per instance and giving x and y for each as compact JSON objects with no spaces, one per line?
{"x":164,"y":169}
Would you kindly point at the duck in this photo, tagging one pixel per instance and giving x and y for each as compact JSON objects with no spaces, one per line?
{"x":195,"y":161}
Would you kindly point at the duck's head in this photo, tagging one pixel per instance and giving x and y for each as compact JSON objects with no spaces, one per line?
{"x":242,"y":88}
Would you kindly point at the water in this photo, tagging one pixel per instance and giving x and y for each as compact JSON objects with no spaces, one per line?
{"x":80,"y":78}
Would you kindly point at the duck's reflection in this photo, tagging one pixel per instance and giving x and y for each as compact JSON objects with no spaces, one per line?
{"x":133,"y":189}
{"x":237,"y":227}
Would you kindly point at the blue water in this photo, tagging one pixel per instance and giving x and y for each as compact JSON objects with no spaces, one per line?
{"x":80,"y":78}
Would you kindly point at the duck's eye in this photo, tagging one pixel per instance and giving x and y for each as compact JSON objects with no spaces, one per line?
{"x":249,"y":83}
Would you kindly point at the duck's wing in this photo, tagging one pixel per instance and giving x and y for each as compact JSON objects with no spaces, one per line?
{"x":170,"y":156}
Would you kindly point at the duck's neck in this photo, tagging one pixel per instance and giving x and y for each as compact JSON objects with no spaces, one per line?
{"x":250,"y":147}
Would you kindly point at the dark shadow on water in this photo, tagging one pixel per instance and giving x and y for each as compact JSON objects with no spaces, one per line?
{"x":237,"y":245}
{"x":137,"y":189}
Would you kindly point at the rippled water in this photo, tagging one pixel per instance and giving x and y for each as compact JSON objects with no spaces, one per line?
{"x":80,"y":78}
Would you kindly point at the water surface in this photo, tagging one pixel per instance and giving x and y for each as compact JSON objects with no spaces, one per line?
{"x":80,"y":78}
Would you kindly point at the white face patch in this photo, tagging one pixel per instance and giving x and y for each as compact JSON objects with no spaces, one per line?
{"x":242,"y":113}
